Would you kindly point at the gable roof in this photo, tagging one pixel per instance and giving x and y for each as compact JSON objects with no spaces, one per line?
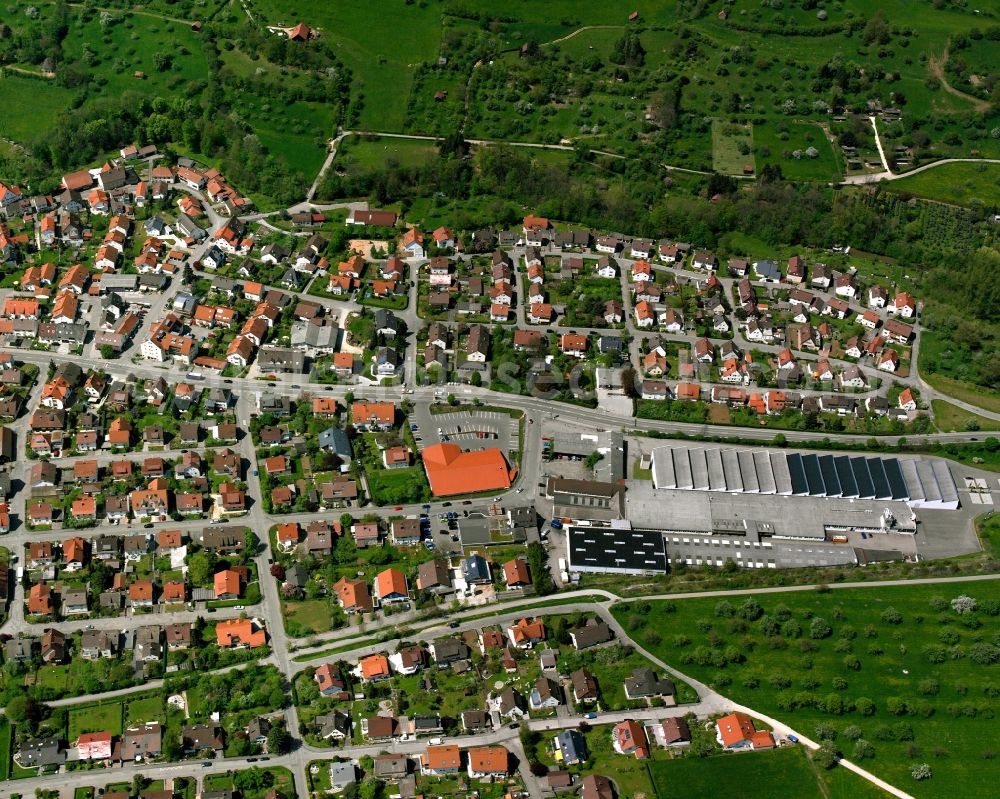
{"x":451,"y":471}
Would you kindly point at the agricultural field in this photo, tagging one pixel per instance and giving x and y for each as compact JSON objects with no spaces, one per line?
{"x":772,"y":775}
{"x":910,"y":672}
{"x":963,"y":184}
{"x":381,"y":49}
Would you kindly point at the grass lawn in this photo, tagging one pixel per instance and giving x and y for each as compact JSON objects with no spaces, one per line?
{"x":954,"y":183}
{"x":95,"y":718}
{"x":959,"y":389}
{"x":5,"y":744}
{"x":950,"y":418}
{"x":896,"y":664}
{"x":325,"y":653}
{"x":148,"y":708}
{"x":779,"y":774}
{"x":732,"y":147}
{"x":30,"y":106}
{"x":313,"y":615}
{"x":390,"y":486}
{"x":218,"y":782}
{"x":296,"y":132}
{"x":358,"y":155}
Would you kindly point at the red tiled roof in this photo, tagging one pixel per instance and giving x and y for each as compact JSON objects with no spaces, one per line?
{"x":451,"y":471}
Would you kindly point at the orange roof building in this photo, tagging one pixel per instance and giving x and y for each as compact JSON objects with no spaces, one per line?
{"x":74,"y":550}
{"x":234,"y":633}
{"x":441,"y":759}
{"x":174,"y":591}
{"x":390,"y":586}
{"x":526,"y":632}
{"x":629,"y":738}
{"x":40,"y":600}
{"x":451,"y":471}
{"x":227,"y":584}
{"x":373,"y":414}
{"x":737,"y":731}
{"x":515,"y":573}
{"x":488,"y":761}
{"x":353,"y":595}
{"x":374,"y":667}
{"x":84,"y":508}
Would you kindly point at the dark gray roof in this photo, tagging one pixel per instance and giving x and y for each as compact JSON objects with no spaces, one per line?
{"x":572,"y":746}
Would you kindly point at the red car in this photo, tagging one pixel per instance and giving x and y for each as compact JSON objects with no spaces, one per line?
{"x":398,"y":507}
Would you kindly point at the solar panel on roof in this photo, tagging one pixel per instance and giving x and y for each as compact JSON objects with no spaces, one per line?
{"x":829,"y":472}
{"x":863,"y":478}
{"x":800,"y":485}
{"x":879,"y":480}
{"x":810,"y":465}
{"x":897,"y":483}
{"x":848,"y":485}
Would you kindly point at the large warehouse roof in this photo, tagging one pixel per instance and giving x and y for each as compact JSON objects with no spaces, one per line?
{"x":920,"y":482}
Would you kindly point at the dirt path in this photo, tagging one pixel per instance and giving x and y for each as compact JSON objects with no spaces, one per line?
{"x":138,"y":11}
{"x":936,"y":67}
{"x":30,"y":73}
{"x":581,"y":30}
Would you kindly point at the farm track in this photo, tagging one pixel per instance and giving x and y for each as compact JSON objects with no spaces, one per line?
{"x":569,"y":36}
{"x":151,"y":14}
{"x":936,"y":67}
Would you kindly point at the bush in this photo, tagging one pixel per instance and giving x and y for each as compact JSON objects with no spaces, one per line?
{"x":826,"y":732}
{"x":984,"y":654}
{"x":897,"y":706}
{"x":819,"y":628}
{"x":827,"y":755}
{"x":963,"y":604}
{"x":891,"y":616}
{"x":864,"y":706}
{"x":935,"y":653}
{"x":921,"y":771}
{"x":751,"y":609}
{"x":852,"y":732}
{"x":863,"y":750}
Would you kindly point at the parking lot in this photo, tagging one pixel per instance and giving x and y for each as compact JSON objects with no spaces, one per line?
{"x":471,"y":430}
